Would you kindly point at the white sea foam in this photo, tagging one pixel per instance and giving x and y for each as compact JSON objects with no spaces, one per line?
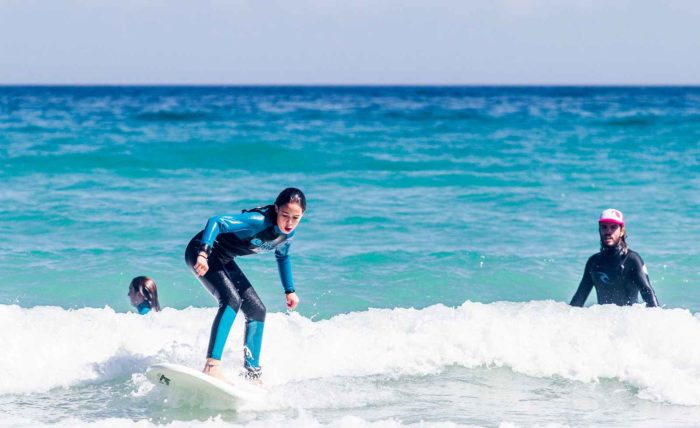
{"x":302,"y":420}
{"x":657,"y":351}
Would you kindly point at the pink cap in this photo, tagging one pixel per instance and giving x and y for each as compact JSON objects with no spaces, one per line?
{"x":612,"y":216}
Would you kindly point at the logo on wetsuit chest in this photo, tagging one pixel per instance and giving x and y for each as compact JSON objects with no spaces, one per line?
{"x":604,"y":278}
{"x":260,"y":246}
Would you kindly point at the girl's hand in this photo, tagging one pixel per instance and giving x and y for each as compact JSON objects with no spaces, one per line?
{"x":202,"y":265}
{"x":292,"y":301}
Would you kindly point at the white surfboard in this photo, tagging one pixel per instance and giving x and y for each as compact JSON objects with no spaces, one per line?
{"x":199,"y":388}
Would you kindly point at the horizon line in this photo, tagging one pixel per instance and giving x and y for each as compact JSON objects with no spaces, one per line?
{"x":364,"y":85}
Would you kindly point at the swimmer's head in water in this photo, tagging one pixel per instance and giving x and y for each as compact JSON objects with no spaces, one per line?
{"x":143,"y":290}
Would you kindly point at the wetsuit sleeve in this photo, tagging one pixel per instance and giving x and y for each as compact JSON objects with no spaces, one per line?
{"x":641,"y":280}
{"x":284,"y":265}
{"x":584,"y":287}
{"x":243,"y":225}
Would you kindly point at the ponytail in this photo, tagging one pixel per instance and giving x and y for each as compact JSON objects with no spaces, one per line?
{"x":268,"y":211}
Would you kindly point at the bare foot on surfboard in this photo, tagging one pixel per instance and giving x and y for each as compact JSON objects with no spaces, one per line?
{"x":213,"y":368}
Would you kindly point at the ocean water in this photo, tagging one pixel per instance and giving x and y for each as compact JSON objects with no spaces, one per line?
{"x":446,"y":230}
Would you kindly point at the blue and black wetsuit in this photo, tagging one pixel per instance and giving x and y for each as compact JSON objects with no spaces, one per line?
{"x":618,"y":276}
{"x":224,"y":238}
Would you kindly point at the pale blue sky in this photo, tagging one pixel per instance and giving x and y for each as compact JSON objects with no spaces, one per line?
{"x":350,"y":42}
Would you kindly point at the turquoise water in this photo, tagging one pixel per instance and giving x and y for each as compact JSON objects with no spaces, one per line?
{"x":418,"y":196}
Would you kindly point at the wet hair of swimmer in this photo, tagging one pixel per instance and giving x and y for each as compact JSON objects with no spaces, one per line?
{"x":146,"y":287}
{"x":290,"y":195}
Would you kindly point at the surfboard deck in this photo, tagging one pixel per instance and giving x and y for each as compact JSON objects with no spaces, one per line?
{"x":194,"y":384}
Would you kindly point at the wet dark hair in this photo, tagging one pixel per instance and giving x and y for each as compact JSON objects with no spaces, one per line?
{"x":290,"y":195}
{"x":148,"y":289}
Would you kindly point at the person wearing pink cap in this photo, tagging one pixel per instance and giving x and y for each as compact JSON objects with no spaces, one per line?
{"x":618,"y":274}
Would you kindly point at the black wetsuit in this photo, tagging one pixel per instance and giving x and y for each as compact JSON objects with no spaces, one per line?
{"x":618,"y":277}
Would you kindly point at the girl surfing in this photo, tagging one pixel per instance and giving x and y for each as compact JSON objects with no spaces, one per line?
{"x":211,"y":256}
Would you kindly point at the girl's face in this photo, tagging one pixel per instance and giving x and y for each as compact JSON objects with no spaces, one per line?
{"x":135,"y":297}
{"x":288,"y":217}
